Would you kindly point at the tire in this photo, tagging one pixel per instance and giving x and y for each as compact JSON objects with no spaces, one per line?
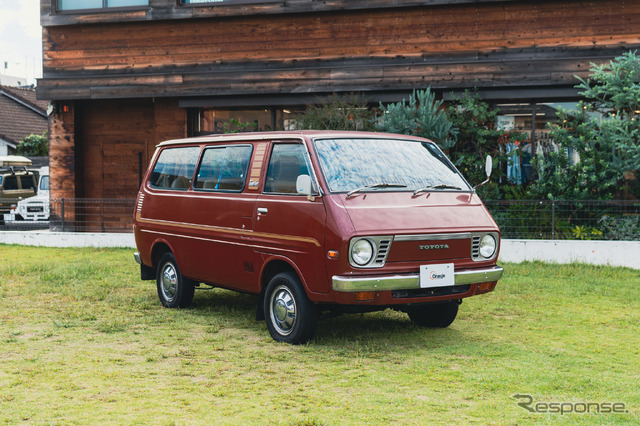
{"x":290,"y":316}
{"x":440,"y":315}
{"x":174,"y":290}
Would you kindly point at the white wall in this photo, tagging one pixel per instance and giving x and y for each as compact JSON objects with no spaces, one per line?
{"x":613,"y":253}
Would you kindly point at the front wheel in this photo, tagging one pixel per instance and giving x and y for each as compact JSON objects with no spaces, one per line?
{"x":291,"y":317}
{"x":439,"y":315}
{"x":174,"y":290}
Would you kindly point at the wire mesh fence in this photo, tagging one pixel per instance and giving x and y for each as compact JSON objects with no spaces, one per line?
{"x":73,"y":215}
{"x":526,"y":219}
{"x":567,"y":219}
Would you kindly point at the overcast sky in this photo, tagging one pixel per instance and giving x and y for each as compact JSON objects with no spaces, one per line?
{"x":20,"y":39}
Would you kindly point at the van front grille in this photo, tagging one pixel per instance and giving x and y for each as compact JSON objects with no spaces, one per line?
{"x":383,"y":252}
{"x":475,"y":247}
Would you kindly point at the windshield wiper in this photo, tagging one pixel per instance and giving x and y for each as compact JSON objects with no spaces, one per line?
{"x":441,"y":186}
{"x":376,"y":185}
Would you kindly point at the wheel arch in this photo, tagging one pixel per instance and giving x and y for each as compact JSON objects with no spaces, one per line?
{"x":158,"y":250}
{"x":270,"y":269}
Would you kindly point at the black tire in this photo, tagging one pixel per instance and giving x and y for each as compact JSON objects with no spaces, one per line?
{"x":439,"y":315}
{"x":174,"y":290}
{"x":290,"y":316}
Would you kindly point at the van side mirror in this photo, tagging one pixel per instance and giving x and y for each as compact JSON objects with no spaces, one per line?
{"x":488,"y":168}
{"x":303,"y":185}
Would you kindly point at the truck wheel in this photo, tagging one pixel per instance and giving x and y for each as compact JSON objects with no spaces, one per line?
{"x":291,"y":317}
{"x":438,"y":316}
{"x":174,"y":290}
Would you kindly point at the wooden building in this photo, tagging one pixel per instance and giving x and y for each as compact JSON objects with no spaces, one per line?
{"x":127,"y":74}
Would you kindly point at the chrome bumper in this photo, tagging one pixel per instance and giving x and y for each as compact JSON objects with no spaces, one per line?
{"x":409,"y":282}
{"x":136,"y":256}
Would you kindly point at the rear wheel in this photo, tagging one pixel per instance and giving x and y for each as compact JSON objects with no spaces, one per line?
{"x":290,"y":316}
{"x":174,"y":290}
{"x":438,"y":315}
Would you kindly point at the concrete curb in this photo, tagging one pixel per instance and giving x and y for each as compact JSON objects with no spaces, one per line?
{"x":611,"y":253}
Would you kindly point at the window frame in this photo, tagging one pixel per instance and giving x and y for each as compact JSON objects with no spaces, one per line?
{"x":181,"y":3}
{"x":103,"y":9}
{"x":199,"y":166}
{"x":157,"y":161}
{"x":307,"y":162}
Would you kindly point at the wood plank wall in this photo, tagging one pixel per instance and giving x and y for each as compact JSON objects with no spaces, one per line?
{"x":95,"y":148}
{"x":492,"y":44}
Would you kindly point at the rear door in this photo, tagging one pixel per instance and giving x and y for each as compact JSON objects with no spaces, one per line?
{"x":288,"y":225}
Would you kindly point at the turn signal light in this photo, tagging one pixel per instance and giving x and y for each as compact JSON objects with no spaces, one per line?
{"x":333,"y":254}
{"x":363,"y":296}
{"x":485,"y":287}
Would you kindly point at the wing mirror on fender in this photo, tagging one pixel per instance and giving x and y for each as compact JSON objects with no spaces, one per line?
{"x":488,"y":168}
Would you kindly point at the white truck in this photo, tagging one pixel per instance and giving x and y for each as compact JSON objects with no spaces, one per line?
{"x":32,"y":209}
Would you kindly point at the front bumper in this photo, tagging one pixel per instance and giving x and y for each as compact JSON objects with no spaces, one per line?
{"x":410,"y":282}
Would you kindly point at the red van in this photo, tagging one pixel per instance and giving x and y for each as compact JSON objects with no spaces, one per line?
{"x":315,"y":222}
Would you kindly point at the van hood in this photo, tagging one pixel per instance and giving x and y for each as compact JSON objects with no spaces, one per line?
{"x":393,"y":213}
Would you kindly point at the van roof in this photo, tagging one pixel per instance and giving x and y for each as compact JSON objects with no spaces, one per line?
{"x":14,"y":160}
{"x":297,"y":134}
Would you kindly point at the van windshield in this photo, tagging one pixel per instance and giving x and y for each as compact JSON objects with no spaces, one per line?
{"x":387,"y":164}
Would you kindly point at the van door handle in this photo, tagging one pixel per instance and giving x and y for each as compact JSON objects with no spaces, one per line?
{"x":263,"y":210}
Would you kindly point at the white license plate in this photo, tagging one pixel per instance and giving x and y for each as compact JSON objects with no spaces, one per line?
{"x":441,"y":275}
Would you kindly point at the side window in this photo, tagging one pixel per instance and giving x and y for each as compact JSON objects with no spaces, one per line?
{"x":44,"y":183}
{"x":28,"y":182}
{"x":10,"y":183}
{"x":285,"y":165}
{"x":174,"y":168}
{"x":224,"y":168}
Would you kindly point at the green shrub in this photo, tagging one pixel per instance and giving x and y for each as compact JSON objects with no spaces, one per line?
{"x":421,"y":116}
{"x":34,"y":145}
{"x":625,"y":228}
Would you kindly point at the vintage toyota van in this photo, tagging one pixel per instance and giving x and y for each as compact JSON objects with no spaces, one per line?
{"x":315,"y":222}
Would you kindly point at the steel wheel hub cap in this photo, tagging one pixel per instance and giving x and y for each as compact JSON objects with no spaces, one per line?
{"x":283,"y":310}
{"x":169,"y":282}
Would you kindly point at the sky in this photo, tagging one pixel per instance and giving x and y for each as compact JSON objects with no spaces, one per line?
{"x":20,"y":39}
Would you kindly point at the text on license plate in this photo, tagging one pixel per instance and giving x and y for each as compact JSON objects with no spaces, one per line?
{"x":441,"y":275}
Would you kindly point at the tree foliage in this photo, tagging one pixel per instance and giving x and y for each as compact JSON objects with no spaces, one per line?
{"x":613,"y":89}
{"x":608,"y":144}
{"x":34,"y":145}
{"x":478,"y":137}
{"x":593,"y":177}
{"x":347,"y":112}
{"x":421,"y":116}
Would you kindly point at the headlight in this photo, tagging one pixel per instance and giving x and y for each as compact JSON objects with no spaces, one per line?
{"x":362,"y":252}
{"x":488,"y":246}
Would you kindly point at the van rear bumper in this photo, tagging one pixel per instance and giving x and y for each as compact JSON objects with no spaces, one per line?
{"x":409,"y":282}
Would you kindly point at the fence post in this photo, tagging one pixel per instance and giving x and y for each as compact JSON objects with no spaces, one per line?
{"x":62,"y":213}
{"x":553,"y":219}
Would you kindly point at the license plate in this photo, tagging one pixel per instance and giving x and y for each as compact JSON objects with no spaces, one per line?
{"x":441,"y":275}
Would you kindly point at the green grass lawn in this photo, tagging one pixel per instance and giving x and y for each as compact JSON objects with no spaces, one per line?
{"x":83,"y":340}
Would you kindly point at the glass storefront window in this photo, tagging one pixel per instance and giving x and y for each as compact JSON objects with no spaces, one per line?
{"x":531,"y":121}
{"x":211,"y":120}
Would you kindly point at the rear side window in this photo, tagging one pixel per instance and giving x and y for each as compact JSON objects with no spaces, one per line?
{"x":10,"y":183}
{"x":285,"y":165}
{"x":28,"y":182}
{"x":174,"y":168}
{"x":224,"y":168}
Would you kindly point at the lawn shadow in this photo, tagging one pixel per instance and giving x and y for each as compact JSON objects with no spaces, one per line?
{"x":375,"y":330}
